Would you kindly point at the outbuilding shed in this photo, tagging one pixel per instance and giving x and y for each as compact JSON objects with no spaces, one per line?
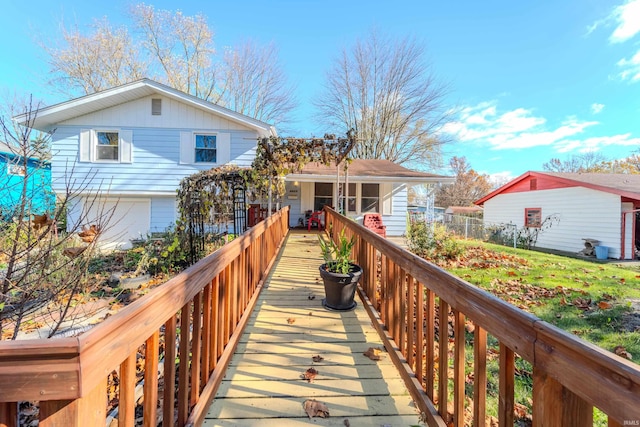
{"x":600,"y":207}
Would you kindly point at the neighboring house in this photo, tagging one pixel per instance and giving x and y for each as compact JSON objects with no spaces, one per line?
{"x":471,"y":211}
{"x":14,"y":170}
{"x":134,"y":143}
{"x":373,"y":186}
{"x":603,"y":207}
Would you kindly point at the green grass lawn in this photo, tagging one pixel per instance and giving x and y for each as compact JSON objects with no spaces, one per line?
{"x":599,"y":302}
{"x":592,"y":300}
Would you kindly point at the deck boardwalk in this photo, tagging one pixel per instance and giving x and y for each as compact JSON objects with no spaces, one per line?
{"x":263,"y":384}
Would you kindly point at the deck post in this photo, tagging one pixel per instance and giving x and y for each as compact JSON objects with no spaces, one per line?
{"x":554,"y":404}
{"x":89,"y":410}
{"x":8,"y":414}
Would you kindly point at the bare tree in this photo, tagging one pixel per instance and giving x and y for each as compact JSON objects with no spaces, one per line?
{"x":590,"y":161}
{"x":385,"y":90}
{"x":468,"y":187}
{"x":181,"y":48}
{"x":105,"y":58}
{"x":255,"y":83}
{"x":42,"y":270}
{"x":179,"y":51}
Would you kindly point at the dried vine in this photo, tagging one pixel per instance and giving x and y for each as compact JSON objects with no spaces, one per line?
{"x":208,"y":196}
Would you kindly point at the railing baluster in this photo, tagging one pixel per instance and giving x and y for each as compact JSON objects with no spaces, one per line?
{"x":150,"y":388}
{"x":183,"y":370}
{"x":411,"y":323}
{"x":401,"y":313}
{"x":458,"y":369}
{"x":216,"y":325}
{"x":196,"y":340}
{"x":506,"y":397}
{"x":443,"y":357}
{"x":168,"y":411}
{"x":126,"y":398}
{"x":430,"y":331}
{"x":479,"y":376}
{"x":206,"y":335}
{"x":420,"y":335}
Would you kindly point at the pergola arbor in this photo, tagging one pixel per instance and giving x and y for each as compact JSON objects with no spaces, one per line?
{"x":211,"y":200}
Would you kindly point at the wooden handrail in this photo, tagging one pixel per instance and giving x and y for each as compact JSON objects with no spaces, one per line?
{"x":203,"y":308}
{"x":570,"y":376}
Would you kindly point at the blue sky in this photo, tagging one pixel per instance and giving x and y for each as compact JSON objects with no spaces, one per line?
{"x":530,"y":80}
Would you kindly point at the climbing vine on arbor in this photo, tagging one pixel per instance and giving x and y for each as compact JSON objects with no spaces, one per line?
{"x":207,"y":197}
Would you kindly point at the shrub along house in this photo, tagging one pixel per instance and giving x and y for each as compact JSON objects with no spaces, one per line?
{"x":134,"y":143}
{"x":601,"y":207}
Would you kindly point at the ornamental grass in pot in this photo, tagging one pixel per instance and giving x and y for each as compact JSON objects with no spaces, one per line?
{"x":339,"y":273}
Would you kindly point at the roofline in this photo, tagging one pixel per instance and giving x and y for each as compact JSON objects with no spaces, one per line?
{"x":159,"y":87}
{"x":564,"y":180}
{"x":364,"y":178}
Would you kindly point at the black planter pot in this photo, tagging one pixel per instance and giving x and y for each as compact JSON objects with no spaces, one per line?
{"x":340,"y":289}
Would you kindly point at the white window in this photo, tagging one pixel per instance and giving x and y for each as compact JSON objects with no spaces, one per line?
{"x":105,"y":145}
{"x":370,"y":199}
{"x":351,"y":202}
{"x":206,"y":149}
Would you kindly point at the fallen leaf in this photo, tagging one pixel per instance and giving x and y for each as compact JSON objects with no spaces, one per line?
{"x":313,"y":408}
{"x":373,"y":353}
{"x":603,"y":305}
{"x":291,"y":320}
{"x":622,"y":352}
{"x":318,"y":358}
{"x":310,"y":374}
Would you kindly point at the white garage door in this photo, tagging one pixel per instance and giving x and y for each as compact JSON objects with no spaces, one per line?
{"x":130,"y":220}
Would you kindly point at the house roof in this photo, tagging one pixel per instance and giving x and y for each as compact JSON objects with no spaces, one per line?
{"x":17,"y":152}
{"x":48,"y":117}
{"x":624,"y":185}
{"x":463,"y":209}
{"x":374,"y":170}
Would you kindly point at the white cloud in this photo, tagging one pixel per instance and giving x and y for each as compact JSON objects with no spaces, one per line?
{"x":597,"y":108}
{"x":596,"y":143}
{"x":630,"y":68}
{"x":485,"y":125}
{"x":627,"y":17}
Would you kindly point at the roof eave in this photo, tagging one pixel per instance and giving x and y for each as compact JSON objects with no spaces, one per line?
{"x":305,"y":177}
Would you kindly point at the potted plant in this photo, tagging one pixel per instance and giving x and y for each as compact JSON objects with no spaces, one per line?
{"x":339,"y":274}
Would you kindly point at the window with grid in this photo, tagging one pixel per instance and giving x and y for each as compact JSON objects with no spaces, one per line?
{"x":206,"y":149}
{"x":533,"y":217}
{"x":107,"y":145}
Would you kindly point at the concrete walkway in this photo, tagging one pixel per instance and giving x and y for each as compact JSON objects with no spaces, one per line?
{"x":263,"y":385}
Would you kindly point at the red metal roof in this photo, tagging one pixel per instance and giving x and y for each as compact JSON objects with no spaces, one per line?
{"x":624,"y":185}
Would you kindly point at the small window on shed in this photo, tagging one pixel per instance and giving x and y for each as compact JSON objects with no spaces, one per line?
{"x":156,"y":107}
{"x":533,"y":184}
{"x":533,"y":217}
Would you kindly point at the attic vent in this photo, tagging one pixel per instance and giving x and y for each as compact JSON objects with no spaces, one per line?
{"x":533,"y":184}
{"x":156,"y":107}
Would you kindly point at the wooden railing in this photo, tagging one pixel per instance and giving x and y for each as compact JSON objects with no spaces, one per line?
{"x":411,"y":299}
{"x":189,"y":325}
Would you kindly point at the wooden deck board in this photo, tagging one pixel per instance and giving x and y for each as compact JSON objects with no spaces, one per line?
{"x":263,"y":384}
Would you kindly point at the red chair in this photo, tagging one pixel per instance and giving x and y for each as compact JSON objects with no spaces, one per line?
{"x":374,"y":223}
{"x":315,"y":217}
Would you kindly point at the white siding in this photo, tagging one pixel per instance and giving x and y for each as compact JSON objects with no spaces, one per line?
{"x":397,"y":222}
{"x":137,"y":113}
{"x":163,"y":213}
{"x":582,"y":212}
{"x":155,"y":166}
